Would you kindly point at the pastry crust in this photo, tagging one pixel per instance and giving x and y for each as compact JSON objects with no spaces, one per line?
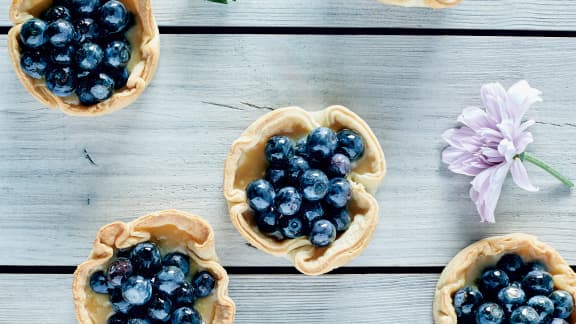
{"x":423,"y":3}
{"x":467,"y":265}
{"x":246,"y":162}
{"x":172,"y":230}
{"x":145,"y":42}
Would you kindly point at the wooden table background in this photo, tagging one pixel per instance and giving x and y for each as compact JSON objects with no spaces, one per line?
{"x":408,"y":72}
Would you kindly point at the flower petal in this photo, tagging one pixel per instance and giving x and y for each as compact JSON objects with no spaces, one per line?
{"x":486,"y":189}
{"x":521,"y":96}
{"x":520,"y":176}
{"x":522,"y":141}
{"x":475,"y":118}
{"x":494,"y":98}
{"x":507,"y":149}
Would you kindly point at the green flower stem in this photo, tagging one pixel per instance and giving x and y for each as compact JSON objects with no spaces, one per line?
{"x":526,"y":157}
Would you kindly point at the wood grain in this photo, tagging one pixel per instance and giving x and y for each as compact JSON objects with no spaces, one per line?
{"x":471,"y":14}
{"x":259,"y":299}
{"x":167,"y":150}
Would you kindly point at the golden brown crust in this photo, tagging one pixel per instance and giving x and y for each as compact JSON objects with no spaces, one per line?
{"x":423,"y":3}
{"x":466,"y":266}
{"x":145,"y":41}
{"x":171,"y":230}
{"x":246,"y":162}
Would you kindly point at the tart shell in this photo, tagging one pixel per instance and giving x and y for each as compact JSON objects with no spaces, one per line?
{"x":171,"y":230}
{"x":467,"y":265}
{"x":437,"y":4}
{"x":246,"y":162}
{"x":145,"y":42}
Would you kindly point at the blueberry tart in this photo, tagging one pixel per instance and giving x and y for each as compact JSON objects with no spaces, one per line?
{"x":423,"y":3}
{"x":506,"y":279}
{"x":85,"y":57}
{"x":300,"y":184}
{"x":159,"y":268}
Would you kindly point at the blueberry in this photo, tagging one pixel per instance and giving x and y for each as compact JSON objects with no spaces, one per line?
{"x":119,"y":305}
{"x":168,"y":280}
{"x":511,"y":297}
{"x":179,"y":260}
{"x":492,"y":281}
{"x":323,"y":233}
{"x":89,"y":56}
{"x":33,"y":33}
{"x":300,"y":147}
{"x":524,"y":315}
{"x":339,"y":193}
{"x":340,"y":218}
{"x":160,"y":308}
{"x":277,"y":177}
{"x":113,"y":16}
{"x":533,"y":266}
{"x":83,"y":91}
{"x":117,"y":54}
{"x":339,"y":165}
{"x":558,"y":321}
{"x":311,"y":212}
{"x":516,"y":284}
{"x":512,"y":264}
{"x":288,"y":201}
{"x":146,"y":259}
{"x":56,"y":12}
{"x":186,"y":315}
{"x":34,"y":64}
{"x":62,"y":55}
{"x":120,"y":76}
{"x":466,"y":301}
{"x":267,"y":221}
{"x":99,"y":282}
{"x":117,"y":318}
{"x":279,"y":149}
{"x":101,"y":86}
{"x":314,"y":184}
{"x":543,"y":305}
{"x":350,"y":144}
{"x":87,"y":30}
{"x":292,"y":226}
{"x":118,"y":271}
{"x":297,"y":165}
{"x":138,"y":321}
{"x":490,"y":313}
{"x":185,"y":295}
{"x":321,"y":144}
{"x":537,"y":282}
{"x":61,"y":80}
{"x":203,"y":283}
{"x":60,"y":33}
{"x":136,"y":290}
{"x":84,"y":7}
{"x":563,"y":303}
{"x":260,"y":195}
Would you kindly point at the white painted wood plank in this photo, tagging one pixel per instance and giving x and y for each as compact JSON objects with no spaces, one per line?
{"x":259,"y":299}
{"x":471,"y":14}
{"x":167,"y":151}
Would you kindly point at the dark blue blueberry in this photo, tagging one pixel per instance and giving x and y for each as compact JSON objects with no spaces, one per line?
{"x":260,"y":194}
{"x":292,"y":226}
{"x":179,"y":260}
{"x":490,"y":313}
{"x":314,"y":184}
{"x":537,"y":282}
{"x":117,"y":54}
{"x":186,"y":315}
{"x":524,"y":315}
{"x":511,"y":297}
{"x":120,"y":76}
{"x":56,"y":12}
{"x":61,"y":80}
{"x":185,"y":295}
{"x":323,"y":233}
{"x":340,"y":218}
{"x":83,"y":8}
{"x":118,"y":271}
{"x":168,"y":280}
{"x":533,"y":266}
{"x":297,"y":165}
{"x":267,"y":221}
{"x":83,"y":90}
{"x":113,"y":16}
{"x":563,"y":303}
{"x":86,"y":30}
{"x":277,"y":177}
{"x":33,"y":33}
{"x":203,"y":283}
{"x":101,"y":86}
{"x":288,"y":201}
{"x":466,"y":301}
{"x":339,"y":165}
{"x":138,"y":321}
{"x":146,"y":259}
{"x":136,"y":290}
{"x":492,"y":281}
{"x":279,"y":149}
{"x":160,"y":308}
{"x":89,"y":56}
{"x":99,"y":282}
{"x":350,"y":144}
{"x":311,"y":212}
{"x":300,"y":147}
{"x":117,"y":318}
{"x":34,"y":64}
{"x":321,"y":145}
{"x":512,"y":264}
{"x":60,"y":33}
{"x":558,"y":321}
{"x":119,"y":305}
{"x":339,"y":193}
{"x":543,"y":305}
{"x":62,"y":55}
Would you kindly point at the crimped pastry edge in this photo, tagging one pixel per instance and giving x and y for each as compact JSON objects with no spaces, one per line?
{"x":144,"y":61}
{"x":306,"y":258}
{"x":466,"y":264}
{"x":199,"y":246}
{"x":437,"y":4}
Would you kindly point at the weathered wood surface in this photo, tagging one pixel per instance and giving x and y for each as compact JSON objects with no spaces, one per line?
{"x":168,"y":149}
{"x":471,"y":14}
{"x":259,"y":299}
